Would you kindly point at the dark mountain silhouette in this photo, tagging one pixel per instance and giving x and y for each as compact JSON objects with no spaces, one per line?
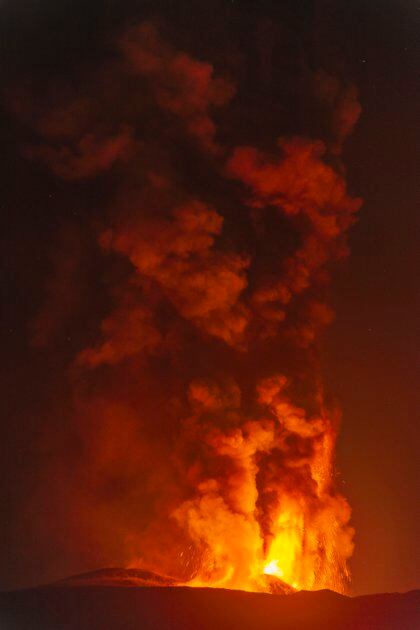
{"x":119,"y":599}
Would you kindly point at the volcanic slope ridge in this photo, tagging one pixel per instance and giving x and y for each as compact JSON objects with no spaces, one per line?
{"x":133,"y":599}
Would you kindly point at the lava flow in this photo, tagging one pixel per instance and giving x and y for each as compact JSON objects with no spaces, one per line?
{"x":205,"y":440}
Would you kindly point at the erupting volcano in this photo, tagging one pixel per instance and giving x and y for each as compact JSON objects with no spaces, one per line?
{"x":202,"y":440}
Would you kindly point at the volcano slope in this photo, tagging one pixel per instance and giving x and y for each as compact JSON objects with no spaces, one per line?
{"x":116,"y":599}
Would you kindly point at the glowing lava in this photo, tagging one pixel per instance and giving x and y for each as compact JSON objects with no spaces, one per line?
{"x":272,"y":568}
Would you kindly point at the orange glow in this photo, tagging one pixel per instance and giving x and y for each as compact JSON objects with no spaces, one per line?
{"x":301,"y":537}
{"x":198,"y":406}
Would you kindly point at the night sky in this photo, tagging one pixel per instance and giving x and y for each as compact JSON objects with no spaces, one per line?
{"x":368,"y":354}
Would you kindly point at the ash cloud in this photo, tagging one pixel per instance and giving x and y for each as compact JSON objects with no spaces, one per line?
{"x":197,"y":413}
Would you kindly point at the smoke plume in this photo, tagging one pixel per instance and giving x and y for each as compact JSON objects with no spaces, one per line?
{"x":202,"y":441}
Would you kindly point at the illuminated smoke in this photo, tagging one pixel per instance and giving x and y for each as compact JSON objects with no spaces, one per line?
{"x":207,"y":445}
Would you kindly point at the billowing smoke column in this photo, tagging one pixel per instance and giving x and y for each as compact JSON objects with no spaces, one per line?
{"x":207,"y":444}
